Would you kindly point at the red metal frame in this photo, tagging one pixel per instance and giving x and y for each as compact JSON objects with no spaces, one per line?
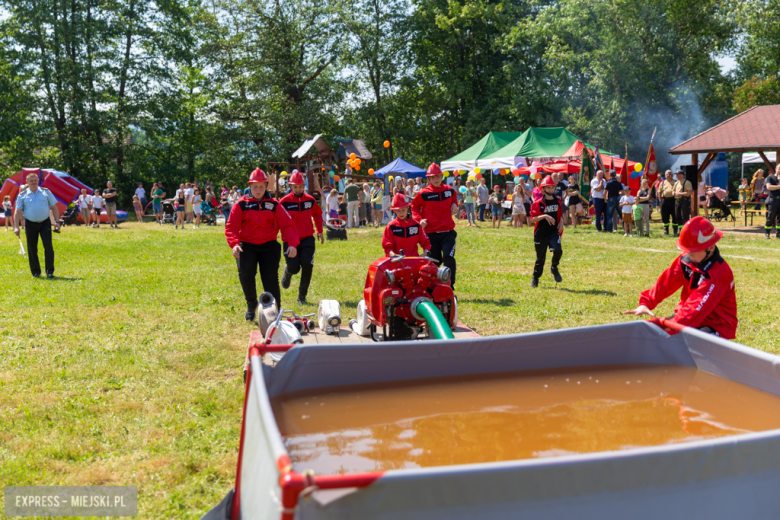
{"x":291,"y":482}
{"x":669,"y":324}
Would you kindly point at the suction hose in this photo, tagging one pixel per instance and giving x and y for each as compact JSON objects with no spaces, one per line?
{"x":437,"y":325}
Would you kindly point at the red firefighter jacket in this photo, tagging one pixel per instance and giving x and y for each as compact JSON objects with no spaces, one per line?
{"x":707,"y":298}
{"x":259,"y":221}
{"x":435,"y":205}
{"x":302,"y":209}
{"x":404,"y":235}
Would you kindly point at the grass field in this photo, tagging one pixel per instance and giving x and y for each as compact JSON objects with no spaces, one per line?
{"x":126,"y":368}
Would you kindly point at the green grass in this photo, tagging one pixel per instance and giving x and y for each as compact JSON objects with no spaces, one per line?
{"x":126,"y":368}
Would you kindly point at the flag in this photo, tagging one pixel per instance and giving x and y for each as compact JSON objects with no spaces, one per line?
{"x":611,"y":163}
{"x":651,"y":167}
{"x":587,"y":171}
{"x":597,"y":159}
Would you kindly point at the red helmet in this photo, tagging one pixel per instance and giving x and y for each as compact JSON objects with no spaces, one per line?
{"x":296,"y":178}
{"x":496,"y":186}
{"x":548,"y":181}
{"x":400,"y":201}
{"x":433,"y":170}
{"x":257,"y":176}
{"x":698,"y":234}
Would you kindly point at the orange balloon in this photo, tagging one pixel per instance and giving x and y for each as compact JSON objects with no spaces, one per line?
{"x":371,"y":171}
{"x":352,"y":156}
{"x":357,"y":161}
{"x":336,"y":178}
{"x":357,"y":167}
{"x":387,"y":144}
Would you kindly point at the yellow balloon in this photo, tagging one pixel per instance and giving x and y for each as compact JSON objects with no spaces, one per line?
{"x":638,"y":167}
{"x":477,"y":170}
{"x":284,"y":174}
{"x":446,"y":174}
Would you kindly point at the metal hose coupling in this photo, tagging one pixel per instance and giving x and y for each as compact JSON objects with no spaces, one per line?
{"x":415,"y":303}
{"x":443,"y":273}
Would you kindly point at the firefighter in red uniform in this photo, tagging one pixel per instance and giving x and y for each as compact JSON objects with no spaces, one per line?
{"x":403,"y":233}
{"x":433,"y":208}
{"x":707,"y":301}
{"x":546,"y":216}
{"x":251,"y":231}
{"x":302,"y":207}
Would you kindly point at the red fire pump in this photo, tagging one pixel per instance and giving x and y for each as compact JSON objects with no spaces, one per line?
{"x":404,"y":295}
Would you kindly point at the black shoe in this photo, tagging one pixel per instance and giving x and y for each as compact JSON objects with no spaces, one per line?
{"x":301,"y":301}
{"x":286,"y":279}
{"x":36,"y":275}
{"x":556,"y":274}
{"x":534,"y":282}
{"x":777,"y":235}
{"x":766,"y":234}
{"x":249,"y":316}
{"x":666,"y":231}
{"x":49,"y":275}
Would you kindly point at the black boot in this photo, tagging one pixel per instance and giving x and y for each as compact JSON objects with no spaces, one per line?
{"x":766,"y":234}
{"x":666,"y":230}
{"x":286,"y":279}
{"x":556,"y":274}
{"x":250,"y":311}
{"x":534,"y":282}
{"x":675,"y":232}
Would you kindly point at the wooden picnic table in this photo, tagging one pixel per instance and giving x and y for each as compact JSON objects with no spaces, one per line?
{"x":750,"y":212}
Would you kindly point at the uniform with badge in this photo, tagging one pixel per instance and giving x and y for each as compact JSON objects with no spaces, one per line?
{"x":402,"y":236}
{"x":682,"y":205}
{"x":254,"y":226}
{"x":546,"y":235}
{"x":303,"y":209}
{"x":434,"y":204}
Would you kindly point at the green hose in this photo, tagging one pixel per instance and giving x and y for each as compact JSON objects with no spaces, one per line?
{"x":436,"y":322}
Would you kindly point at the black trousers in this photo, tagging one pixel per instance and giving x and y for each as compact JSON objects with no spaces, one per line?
{"x":553,"y":243}
{"x":443,"y":249}
{"x":772,"y":213}
{"x":303,"y":263}
{"x":668,"y":210}
{"x":267,"y":256}
{"x":33,"y":230}
{"x":682,"y":210}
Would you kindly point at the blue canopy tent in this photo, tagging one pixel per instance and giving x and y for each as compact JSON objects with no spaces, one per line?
{"x":409,"y":170}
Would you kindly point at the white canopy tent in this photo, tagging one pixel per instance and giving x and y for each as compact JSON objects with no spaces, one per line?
{"x":754,"y":158}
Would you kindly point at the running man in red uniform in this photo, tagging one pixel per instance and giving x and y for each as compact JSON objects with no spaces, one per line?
{"x":303,"y":208}
{"x":707,"y":301}
{"x":546,"y":216}
{"x":433,"y":208}
{"x":251,"y":231}
{"x":403,"y":233}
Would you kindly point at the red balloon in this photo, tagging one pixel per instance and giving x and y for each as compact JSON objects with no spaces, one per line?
{"x":479,"y":176}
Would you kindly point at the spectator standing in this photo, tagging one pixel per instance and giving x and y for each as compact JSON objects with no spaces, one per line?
{"x":85,"y":206}
{"x":496,"y":198}
{"x":409,"y":190}
{"x":518,"y":206}
{"x":665,"y":193}
{"x":189,"y":192}
{"x":109,"y":196}
{"x":597,"y":186}
{"x":181,"y":206}
{"x":702,"y":193}
{"x":744,"y":193}
{"x":575,"y":201}
{"x":757,"y":188}
{"x":196,"y":209}
{"x":332,"y":203}
{"x":626,"y":208}
{"x":376,"y":203}
{"x":468,"y":202}
{"x":417,"y":185}
{"x":613,"y":190}
{"x":40,"y":210}
{"x":8,"y":211}
{"x":97,"y":205}
{"x":682,"y":200}
{"x":140,"y":192}
{"x":772,"y":186}
{"x":365,"y":202}
{"x":352,"y":196}
{"x":139,"y":210}
{"x":643,"y":199}
{"x":536,"y":193}
{"x":482,"y":198}
{"x":158,"y":194}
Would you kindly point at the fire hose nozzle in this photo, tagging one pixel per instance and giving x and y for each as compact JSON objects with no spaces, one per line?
{"x":443,"y":273}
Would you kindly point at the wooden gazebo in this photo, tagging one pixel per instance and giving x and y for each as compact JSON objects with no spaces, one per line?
{"x":754,"y":130}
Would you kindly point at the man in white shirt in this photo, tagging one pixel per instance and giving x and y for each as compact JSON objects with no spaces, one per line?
{"x":597,"y":194}
{"x":189,"y":193}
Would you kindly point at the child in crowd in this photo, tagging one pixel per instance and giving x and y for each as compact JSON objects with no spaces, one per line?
{"x":403,"y":233}
{"x":7,"y":210}
{"x":744,"y":192}
{"x":626,"y":209}
{"x":495,"y":200}
{"x":139,"y":210}
{"x":342,"y":206}
{"x":97,"y":205}
{"x":518,"y":206}
{"x":332,"y":204}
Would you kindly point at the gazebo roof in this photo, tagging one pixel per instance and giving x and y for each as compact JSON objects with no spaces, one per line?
{"x":756,"y":129}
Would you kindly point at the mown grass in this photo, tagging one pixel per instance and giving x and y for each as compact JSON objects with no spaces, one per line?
{"x":125,"y":369}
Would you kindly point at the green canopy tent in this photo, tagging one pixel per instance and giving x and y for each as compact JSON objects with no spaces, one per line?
{"x":467,"y":159}
{"x":548,"y":143}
